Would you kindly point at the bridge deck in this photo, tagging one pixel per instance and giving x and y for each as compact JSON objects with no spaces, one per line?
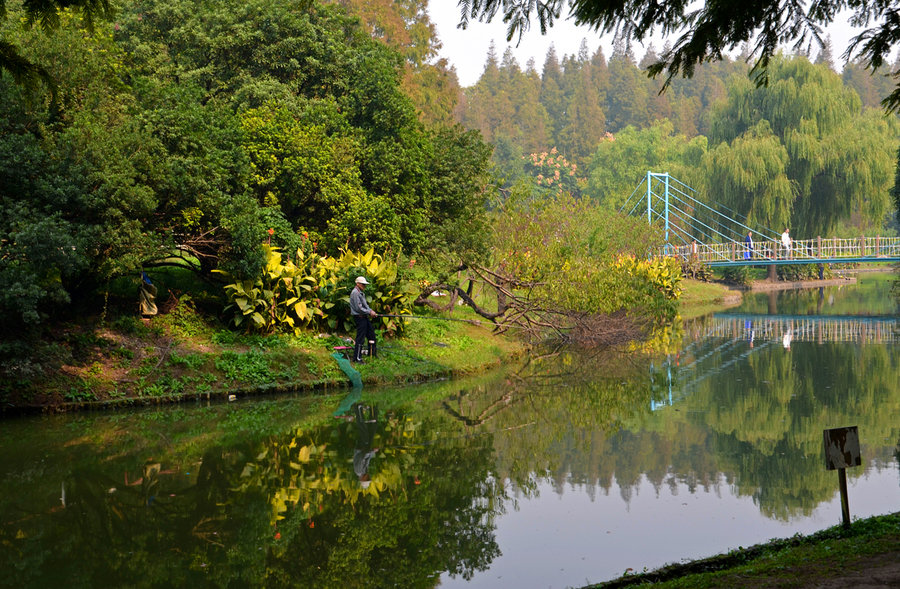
{"x":805,"y":251}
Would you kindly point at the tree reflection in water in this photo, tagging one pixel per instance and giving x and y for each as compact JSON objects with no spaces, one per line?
{"x":230,"y":503}
{"x":287,"y":510}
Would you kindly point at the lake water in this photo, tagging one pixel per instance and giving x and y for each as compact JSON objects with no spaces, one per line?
{"x":564,"y":470}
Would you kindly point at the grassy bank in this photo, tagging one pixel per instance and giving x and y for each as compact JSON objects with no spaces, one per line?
{"x":700,"y":298}
{"x":837,"y":556}
{"x":185,"y":354}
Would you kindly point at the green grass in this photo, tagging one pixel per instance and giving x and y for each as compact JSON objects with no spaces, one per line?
{"x":250,"y":367}
{"x":183,"y":353}
{"x":800,"y":561}
{"x":700,"y":298}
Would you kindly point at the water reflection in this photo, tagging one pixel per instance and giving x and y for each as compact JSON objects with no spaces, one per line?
{"x":307,"y":507}
{"x":366,"y":423}
{"x":569,"y":467}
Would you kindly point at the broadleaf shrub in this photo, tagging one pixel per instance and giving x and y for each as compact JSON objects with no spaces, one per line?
{"x":313,"y":291}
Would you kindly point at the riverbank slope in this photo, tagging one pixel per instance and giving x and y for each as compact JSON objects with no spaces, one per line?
{"x":866,"y":554}
{"x":184,"y":355}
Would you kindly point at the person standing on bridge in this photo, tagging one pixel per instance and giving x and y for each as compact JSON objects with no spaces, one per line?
{"x":748,"y":243}
{"x":786,"y":242}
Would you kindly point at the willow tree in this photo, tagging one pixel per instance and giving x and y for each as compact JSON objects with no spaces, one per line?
{"x":839,"y":159}
{"x":750,"y":176}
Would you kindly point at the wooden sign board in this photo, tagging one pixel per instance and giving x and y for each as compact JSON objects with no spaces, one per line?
{"x":842,"y":447}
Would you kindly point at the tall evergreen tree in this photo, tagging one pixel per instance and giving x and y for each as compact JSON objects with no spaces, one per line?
{"x":553,"y":92}
{"x":871,"y":85}
{"x":658,"y":103}
{"x":626,"y":99}
{"x":585,"y":122}
{"x":825,"y":56}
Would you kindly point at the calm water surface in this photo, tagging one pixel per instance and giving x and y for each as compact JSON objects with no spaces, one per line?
{"x":569,"y":469}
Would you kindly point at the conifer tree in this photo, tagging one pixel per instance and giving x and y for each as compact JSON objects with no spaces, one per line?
{"x":626,"y":99}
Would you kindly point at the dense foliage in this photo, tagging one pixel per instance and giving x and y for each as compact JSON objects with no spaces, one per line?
{"x":312,"y":291}
{"x":580,"y":260}
{"x":801,"y":152}
{"x":183,"y":134}
{"x":180,"y":133}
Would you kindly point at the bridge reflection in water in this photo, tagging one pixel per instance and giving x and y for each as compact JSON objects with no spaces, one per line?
{"x":806,"y":328}
{"x":738,"y":335}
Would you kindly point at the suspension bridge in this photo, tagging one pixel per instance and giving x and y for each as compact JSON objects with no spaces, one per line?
{"x":713,"y":234}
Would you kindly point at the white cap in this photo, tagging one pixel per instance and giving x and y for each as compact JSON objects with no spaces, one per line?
{"x":361,"y":280}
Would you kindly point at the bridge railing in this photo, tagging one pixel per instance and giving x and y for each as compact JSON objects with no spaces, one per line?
{"x":801,"y":250}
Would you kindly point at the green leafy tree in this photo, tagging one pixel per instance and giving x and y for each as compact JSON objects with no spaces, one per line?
{"x":750,"y":177}
{"x":335,"y":144}
{"x":49,"y":14}
{"x":622,"y":160}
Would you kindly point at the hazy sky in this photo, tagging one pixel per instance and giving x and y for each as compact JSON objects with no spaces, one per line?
{"x":467,"y":49}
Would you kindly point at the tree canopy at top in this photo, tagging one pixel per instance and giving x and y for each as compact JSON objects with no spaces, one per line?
{"x":45,"y":12}
{"x":705,"y":32}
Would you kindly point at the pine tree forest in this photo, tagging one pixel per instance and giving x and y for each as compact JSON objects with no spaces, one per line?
{"x":813,"y":150}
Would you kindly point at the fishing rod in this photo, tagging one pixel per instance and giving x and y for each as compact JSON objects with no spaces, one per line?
{"x":471,"y":321}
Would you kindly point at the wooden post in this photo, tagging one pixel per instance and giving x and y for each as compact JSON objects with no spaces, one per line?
{"x":841,"y":452}
{"x":845,"y":499}
{"x":819,"y":246}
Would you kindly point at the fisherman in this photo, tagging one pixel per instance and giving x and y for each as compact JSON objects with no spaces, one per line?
{"x":363,"y":316}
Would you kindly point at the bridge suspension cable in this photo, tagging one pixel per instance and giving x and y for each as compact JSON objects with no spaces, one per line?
{"x":687,"y":218}
{"x":714,"y":234}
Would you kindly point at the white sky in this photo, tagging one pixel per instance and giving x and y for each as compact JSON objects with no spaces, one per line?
{"x":467,"y":49}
